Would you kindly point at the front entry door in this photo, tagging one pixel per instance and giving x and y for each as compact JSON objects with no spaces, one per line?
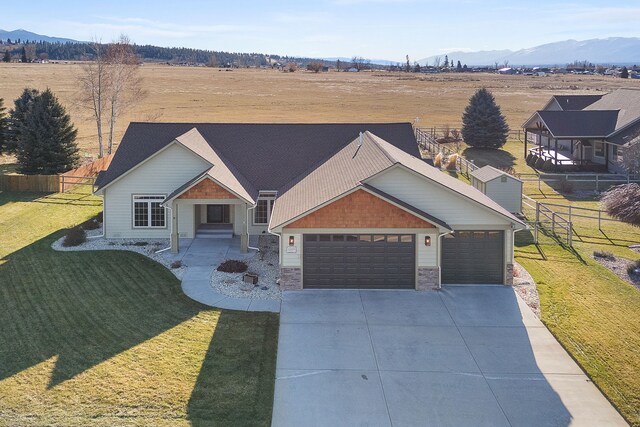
{"x":217,"y":214}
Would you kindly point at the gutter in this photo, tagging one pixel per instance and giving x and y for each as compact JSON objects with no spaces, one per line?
{"x":248,"y":236}
{"x":170,"y":231}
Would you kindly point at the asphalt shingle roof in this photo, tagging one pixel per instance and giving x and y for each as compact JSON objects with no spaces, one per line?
{"x":580,"y":124}
{"x":268,"y":156}
{"x":488,"y":173}
{"x":575,"y":102}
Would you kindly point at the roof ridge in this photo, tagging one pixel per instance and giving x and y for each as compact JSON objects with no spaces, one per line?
{"x":376,"y":142}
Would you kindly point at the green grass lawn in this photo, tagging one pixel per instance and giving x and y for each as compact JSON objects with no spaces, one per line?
{"x":592,"y":312}
{"x":108,"y":338}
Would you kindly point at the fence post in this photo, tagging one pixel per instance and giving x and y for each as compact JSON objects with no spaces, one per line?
{"x":569,"y":213}
{"x":570,"y":234}
{"x":553,"y":222}
{"x":599,"y":219}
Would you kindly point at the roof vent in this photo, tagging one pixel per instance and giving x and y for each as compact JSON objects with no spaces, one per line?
{"x":360,"y":140}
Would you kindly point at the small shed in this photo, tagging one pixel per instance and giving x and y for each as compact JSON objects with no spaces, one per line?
{"x":500,"y":186}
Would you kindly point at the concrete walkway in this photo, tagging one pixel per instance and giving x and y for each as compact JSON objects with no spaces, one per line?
{"x":202,"y":256}
{"x":464,"y":356}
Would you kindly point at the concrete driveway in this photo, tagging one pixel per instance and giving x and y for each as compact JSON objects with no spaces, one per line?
{"x":464,"y":356}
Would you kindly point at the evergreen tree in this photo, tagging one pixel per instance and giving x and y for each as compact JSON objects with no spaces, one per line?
{"x":483,"y":124}
{"x":7,"y":56}
{"x":4,"y":124}
{"x":459,"y":66}
{"x":624,"y":73}
{"x":446,"y":61}
{"x":24,"y":55}
{"x":16,"y":117}
{"x":47,"y":137}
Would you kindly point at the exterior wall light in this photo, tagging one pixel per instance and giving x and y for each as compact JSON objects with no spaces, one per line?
{"x":427,"y":240}
{"x":292,"y":240}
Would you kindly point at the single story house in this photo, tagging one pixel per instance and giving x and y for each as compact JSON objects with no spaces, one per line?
{"x":354,"y":205}
{"x":588,"y":131}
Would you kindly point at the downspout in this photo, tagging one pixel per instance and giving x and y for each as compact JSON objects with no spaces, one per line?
{"x":248,"y":236}
{"x":440,"y":236}
{"x":103,"y":221}
{"x":170,"y":231}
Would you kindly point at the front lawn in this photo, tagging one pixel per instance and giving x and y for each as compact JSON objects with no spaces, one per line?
{"x":108,"y":338}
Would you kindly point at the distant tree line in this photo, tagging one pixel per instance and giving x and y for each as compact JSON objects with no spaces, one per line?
{"x":85,"y":51}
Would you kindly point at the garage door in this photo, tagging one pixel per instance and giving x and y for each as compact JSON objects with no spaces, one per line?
{"x":473,"y":257}
{"x":359,"y":261}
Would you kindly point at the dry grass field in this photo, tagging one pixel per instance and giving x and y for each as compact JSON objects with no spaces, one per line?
{"x":216,"y":95}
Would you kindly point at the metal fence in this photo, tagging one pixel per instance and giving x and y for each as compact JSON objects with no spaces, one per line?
{"x":545,"y":218}
{"x":76,"y":184}
{"x":590,"y":181}
{"x":443,"y":131}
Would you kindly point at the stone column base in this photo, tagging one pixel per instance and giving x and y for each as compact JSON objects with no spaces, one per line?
{"x":428,"y":279}
{"x":509,"y":275}
{"x":290,"y":278}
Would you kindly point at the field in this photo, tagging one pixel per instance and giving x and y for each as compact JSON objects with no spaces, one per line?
{"x":592,"y":312}
{"x":243,"y":95}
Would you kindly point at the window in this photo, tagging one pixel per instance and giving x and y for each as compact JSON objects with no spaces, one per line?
{"x":262,"y":212}
{"x":148,"y":212}
{"x":598,"y":149}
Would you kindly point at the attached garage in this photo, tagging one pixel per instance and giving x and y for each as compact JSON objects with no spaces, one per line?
{"x":473,"y":257}
{"x":365,"y":261}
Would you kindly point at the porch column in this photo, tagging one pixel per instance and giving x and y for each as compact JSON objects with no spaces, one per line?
{"x":526,"y":136}
{"x":606,"y":154}
{"x":555,"y":143}
{"x":244,"y":237}
{"x":175,"y":244}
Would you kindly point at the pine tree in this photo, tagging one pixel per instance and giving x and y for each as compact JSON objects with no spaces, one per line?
{"x":7,"y":56}
{"x":483,"y":124}
{"x":24,"y":55}
{"x":624,"y":73}
{"x":459,"y":67}
{"x":16,"y":117}
{"x":4,"y":124}
{"x":47,"y":137}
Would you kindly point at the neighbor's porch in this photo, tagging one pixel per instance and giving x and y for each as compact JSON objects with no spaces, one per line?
{"x":594,"y":155}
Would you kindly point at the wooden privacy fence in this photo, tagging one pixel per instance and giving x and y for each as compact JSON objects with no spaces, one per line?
{"x":428,"y":143}
{"x":31,"y":183}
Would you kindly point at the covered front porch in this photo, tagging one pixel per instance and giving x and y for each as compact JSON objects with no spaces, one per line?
{"x":593,"y":155}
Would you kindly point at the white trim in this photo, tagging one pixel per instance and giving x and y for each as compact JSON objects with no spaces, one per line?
{"x":212,"y":179}
{"x":271,"y":201}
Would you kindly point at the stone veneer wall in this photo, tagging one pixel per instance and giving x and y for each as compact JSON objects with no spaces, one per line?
{"x":290,"y":278}
{"x":509,"y":278}
{"x":428,"y":278}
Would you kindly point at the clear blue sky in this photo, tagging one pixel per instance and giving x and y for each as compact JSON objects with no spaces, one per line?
{"x":378,"y":29}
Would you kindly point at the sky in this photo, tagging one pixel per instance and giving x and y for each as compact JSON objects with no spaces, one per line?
{"x":374,"y":29}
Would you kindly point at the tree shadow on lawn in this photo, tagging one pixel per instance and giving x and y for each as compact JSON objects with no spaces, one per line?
{"x":17,"y":197}
{"x":490,"y":156}
{"x":87,"y":307}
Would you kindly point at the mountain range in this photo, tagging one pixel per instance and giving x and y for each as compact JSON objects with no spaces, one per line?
{"x":612,"y":50}
{"x":32,"y":37}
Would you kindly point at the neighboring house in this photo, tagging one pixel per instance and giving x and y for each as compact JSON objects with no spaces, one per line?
{"x":502,"y":187}
{"x":589,"y":131}
{"x":353,"y":204}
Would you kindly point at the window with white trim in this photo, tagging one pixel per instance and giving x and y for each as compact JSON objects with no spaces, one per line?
{"x":262,"y":211}
{"x":148,"y":211}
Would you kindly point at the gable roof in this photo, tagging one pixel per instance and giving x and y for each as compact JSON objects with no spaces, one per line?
{"x":265,"y":156}
{"x":488,"y":173}
{"x":576,"y":124}
{"x":626,"y":100}
{"x":575,"y":102}
{"x":351,"y":167}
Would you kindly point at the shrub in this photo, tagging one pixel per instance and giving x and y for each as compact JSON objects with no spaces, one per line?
{"x":176,"y":264}
{"x":140,"y":243}
{"x":529,"y":157}
{"x":75,"y":236}
{"x":548,"y":166}
{"x":233,"y":266}
{"x":437,"y":161}
{"x":633,"y":267}
{"x":539,"y":163}
{"x":604,"y":254}
{"x":565,"y":186}
{"x":623,"y":202}
{"x":90,"y":224}
{"x":451,"y":161}
{"x":100,"y":217}
{"x":534,"y":159}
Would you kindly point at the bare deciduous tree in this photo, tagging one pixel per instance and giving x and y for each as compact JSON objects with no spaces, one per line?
{"x":212,"y":62}
{"x":436,"y":61}
{"x":358,"y":62}
{"x":109,"y":85}
{"x":630,"y":160}
{"x":291,"y":67}
{"x":315,"y":66}
{"x":125,"y":87}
